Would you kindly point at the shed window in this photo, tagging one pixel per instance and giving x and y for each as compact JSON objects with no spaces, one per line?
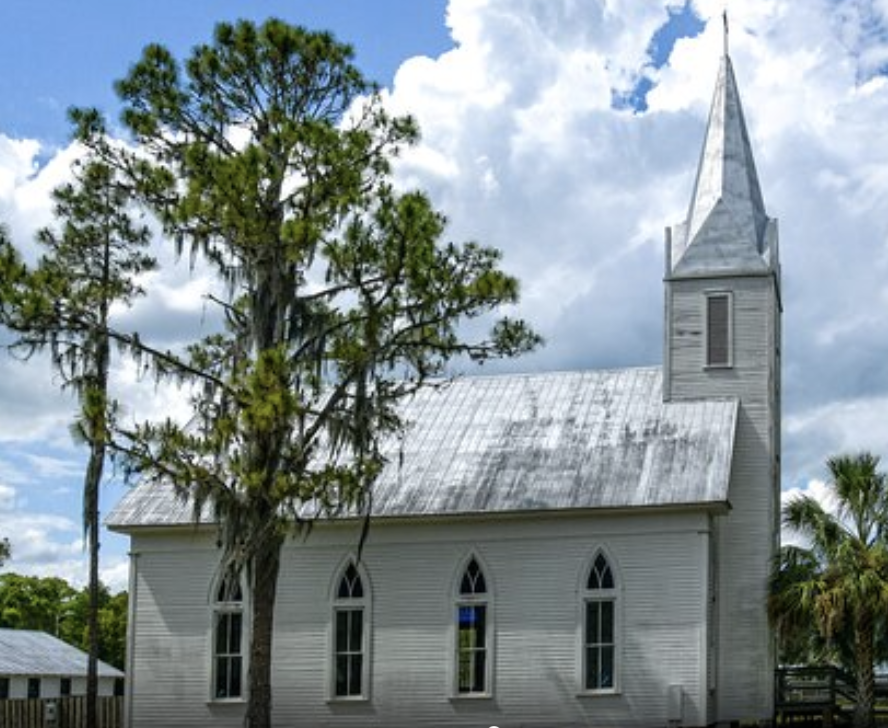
{"x":228,"y":640}
{"x":718,"y":330}
{"x":4,"y":688}
{"x":33,"y":688}
{"x":473,"y":632}
{"x":65,"y":687}
{"x":350,"y":643}
{"x":600,"y":640}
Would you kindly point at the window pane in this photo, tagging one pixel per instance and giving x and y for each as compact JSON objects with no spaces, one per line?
{"x":592,"y":630}
{"x":354,"y":682}
{"x":607,"y":668}
{"x":222,"y":677}
{"x":473,"y":580}
{"x":221,"y":633}
{"x":356,"y":630}
{"x":480,"y":662}
{"x":229,"y":590}
{"x":592,"y":672}
{"x":341,"y":631}
{"x":607,"y":623}
{"x":481,"y":626}
{"x":342,"y":675}
{"x":350,"y":585}
{"x":465,"y":672}
{"x":65,"y":686}
{"x":236,"y":670}
{"x":600,"y":575}
{"x":234,"y":633}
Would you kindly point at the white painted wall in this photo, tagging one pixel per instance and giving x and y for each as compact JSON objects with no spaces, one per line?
{"x":535,"y":569}
{"x":747,"y":539}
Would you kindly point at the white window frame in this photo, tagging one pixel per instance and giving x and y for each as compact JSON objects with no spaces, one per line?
{"x":728,"y":296}
{"x":219,"y":608}
{"x":473,"y":600}
{"x":600,"y":596}
{"x":360,"y":605}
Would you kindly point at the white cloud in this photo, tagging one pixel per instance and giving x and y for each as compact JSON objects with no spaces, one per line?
{"x":7,"y":497}
{"x":48,"y":545}
{"x":820,"y":492}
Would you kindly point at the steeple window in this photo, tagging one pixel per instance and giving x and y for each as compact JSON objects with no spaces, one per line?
{"x":718,"y":330}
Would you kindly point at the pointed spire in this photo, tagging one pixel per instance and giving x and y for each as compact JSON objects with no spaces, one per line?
{"x":727,"y":223}
{"x":725,"y":21}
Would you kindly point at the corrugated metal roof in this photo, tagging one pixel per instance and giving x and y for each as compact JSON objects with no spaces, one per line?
{"x":499,"y":444}
{"x":25,"y":652}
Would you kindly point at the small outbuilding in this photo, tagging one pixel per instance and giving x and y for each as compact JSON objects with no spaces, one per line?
{"x":37,"y":665}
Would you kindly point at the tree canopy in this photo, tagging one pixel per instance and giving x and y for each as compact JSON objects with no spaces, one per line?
{"x":92,"y":263}
{"x":267,"y":154}
{"x":838,"y":581}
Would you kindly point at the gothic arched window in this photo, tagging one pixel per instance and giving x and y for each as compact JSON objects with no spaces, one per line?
{"x":473,"y":653}
{"x":229,"y":639}
{"x":350,"y":638}
{"x":600,"y":627}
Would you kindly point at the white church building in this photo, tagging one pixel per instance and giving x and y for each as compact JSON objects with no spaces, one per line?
{"x":567,"y":549}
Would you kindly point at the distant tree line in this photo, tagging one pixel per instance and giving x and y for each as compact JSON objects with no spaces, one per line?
{"x":52,"y":605}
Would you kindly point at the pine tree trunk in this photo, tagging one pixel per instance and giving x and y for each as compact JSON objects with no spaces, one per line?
{"x":864,"y":639}
{"x":91,"y":517}
{"x":265,"y":576}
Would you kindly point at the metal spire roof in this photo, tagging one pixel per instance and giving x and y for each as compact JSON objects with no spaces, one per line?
{"x":727,"y":228}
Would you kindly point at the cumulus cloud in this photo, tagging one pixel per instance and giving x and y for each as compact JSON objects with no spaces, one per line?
{"x":583,"y":190}
{"x":815,"y":489}
{"x":44,"y":544}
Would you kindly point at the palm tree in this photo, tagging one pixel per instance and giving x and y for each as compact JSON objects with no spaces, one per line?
{"x":839,"y":581}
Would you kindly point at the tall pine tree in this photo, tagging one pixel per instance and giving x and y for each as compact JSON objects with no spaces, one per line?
{"x":63,"y":306}
{"x":267,"y":153}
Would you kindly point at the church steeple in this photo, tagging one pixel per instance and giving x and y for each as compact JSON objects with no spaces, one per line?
{"x":726,"y":230}
{"x":722,"y":337}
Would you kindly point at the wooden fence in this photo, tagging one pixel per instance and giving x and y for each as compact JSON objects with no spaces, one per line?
{"x":70,"y":712}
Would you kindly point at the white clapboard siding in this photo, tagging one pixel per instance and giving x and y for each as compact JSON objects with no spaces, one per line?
{"x":748,"y":538}
{"x":535,"y":570}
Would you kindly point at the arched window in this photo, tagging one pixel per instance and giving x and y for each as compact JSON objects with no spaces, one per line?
{"x":473,"y":654}
{"x":600,"y":627}
{"x":350,"y":634}
{"x":228,"y":640}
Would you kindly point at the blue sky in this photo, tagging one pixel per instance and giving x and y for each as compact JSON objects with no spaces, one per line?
{"x":564,"y":133}
{"x":58,"y":54}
